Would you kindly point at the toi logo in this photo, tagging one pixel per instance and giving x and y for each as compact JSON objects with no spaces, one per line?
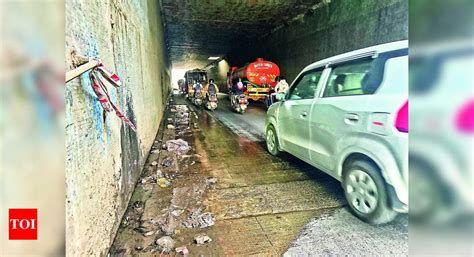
{"x":23,"y":224}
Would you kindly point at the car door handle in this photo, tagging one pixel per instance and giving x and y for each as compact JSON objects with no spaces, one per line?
{"x":304,"y":114}
{"x":352,"y":117}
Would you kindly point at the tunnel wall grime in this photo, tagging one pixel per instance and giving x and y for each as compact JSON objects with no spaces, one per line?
{"x":104,"y":156}
{"x":336,"y":27}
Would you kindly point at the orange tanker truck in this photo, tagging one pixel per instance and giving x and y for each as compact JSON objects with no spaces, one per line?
{"x":258,"y":77}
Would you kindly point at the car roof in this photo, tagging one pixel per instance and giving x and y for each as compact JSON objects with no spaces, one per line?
{"x":372,"y":49}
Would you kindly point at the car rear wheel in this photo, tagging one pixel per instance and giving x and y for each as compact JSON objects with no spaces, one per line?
{"x":272,"y":141}
{"x":366,"y":193}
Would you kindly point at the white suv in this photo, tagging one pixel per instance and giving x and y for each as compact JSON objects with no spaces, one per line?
{"x":348,"y":116}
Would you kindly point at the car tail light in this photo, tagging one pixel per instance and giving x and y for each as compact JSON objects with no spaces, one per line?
{"x":242,"y":100}
{"x":465,"y":117}
{"x":401,"y":121}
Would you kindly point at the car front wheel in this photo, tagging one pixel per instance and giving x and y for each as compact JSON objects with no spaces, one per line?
{"x":366,"y":193}
{"x":272,"y":141}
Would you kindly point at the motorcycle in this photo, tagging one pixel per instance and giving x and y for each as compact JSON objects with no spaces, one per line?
{"x":212,"y":102}
{"x":239,"y":103}
{"x":197,"y":99}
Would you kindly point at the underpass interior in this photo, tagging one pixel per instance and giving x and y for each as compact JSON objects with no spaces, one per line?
{"x":226,"y":186}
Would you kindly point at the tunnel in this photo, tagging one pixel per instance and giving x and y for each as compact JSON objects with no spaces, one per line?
{"x":150,"y":44}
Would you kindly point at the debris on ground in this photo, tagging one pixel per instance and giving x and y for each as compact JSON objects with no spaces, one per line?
{"x":138,"y":206}
{"x":197,"y":219}
{"x":190,"y":155}
{"x":155,"y":151}
{"x":176,"y":213}
{"x":159,"y":174}
{"x":149,"y":233}
{"x":154,"y":163}
{"x":165,"y":244}
{"x":178,"y":146}
{"x":141,"y":230}
{"x":167,"y":162}
{"x":170,"y":126}
{"x":201,"y":239}
{"x":183,"y":250}
{"x":169,"y":227}
{"x":163,"y":182}
{"x":211,"y":181}
{"x":151,"y":179}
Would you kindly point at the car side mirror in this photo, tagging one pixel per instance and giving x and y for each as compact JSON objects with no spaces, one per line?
{"x":281,"y":97}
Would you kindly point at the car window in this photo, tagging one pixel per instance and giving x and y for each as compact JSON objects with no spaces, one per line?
{"x":349,"y":79}
{"x":306,"y":87}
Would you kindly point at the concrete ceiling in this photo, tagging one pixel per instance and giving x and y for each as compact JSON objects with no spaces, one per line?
{"x":198,"y":29}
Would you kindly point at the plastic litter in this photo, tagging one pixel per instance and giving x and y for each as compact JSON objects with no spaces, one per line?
{"x":178,"y":146}
{"x":183,"y":250}
{"x":163,"y":182}
{"x":167,"y":162}
{"x":197,"y":219}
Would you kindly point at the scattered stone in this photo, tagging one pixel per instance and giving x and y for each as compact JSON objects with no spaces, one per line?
{"x":143,"y":181}
{"x":202,"y":238}
{"x":165,"y":244}
{"x":183,"y":250}
{"x":170,"y":126}
{"x":163,"y":147}
{"x":138,"y":247}
{"x":170,"y":120}
{"x":154,"y":163}
{"x":167,"y":162}
{"x":163,"y":182}
{"x":155,"y":151}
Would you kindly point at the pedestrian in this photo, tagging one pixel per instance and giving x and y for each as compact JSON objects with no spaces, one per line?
{"x":282,"y":86}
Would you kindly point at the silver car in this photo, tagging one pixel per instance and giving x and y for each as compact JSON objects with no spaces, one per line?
{"x":348,"y":116}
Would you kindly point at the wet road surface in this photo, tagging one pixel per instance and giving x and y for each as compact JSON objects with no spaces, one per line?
{"x":259,"y":204}
{"x":250,"y":124}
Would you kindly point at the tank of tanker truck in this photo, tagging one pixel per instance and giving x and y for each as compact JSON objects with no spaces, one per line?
{"x":259,"y":78}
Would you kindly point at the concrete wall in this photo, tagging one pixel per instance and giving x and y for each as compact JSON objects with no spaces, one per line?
{"x":219,"y":74}
{"x":334,"y":28}
{"x":104,"y":156}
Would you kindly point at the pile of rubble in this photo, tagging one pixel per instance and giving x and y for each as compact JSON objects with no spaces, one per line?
{"x":184,"y":210}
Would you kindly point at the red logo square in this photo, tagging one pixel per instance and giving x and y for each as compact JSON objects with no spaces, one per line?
{"x":23,"y":224}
